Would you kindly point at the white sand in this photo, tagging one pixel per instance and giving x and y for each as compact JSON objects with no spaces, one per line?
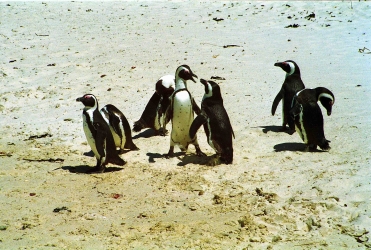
{"x":318,"y":200}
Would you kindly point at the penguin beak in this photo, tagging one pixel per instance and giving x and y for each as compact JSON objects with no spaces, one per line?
{"x":203,"y":81}
{"x":278,"y":64}
{"x":193,"y":75}
{"x":78,"y":99}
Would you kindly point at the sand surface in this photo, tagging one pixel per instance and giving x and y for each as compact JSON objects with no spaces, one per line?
{"x":273,"y":196}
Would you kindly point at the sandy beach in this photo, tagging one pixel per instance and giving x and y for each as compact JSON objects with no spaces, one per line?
{"x":273,"y":196}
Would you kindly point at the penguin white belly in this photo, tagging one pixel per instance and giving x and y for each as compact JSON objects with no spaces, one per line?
{"x":116,"y":137}
{"x":118,"y":141}
{"x":301,"y":130}
{"x":157,"y":123}
{"x":209,"y":138}
{"x":90,"y":138}
{"x":182,"y":118}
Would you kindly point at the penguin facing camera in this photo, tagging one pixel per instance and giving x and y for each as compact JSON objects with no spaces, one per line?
{"x":290,"y":87}
{"x":98,"y":135}
{"x":152,"y":116}
{"x":308,"y":116}
{"x":180,"y":112}
{"x":216,"y":124}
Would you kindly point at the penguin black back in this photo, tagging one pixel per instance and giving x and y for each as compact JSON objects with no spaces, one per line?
{"x":290,"y":87}
{"x":308,"y":116}
{"x":215,"y":121}
{"x":98,"y":134}
{"x":117,"y":121}
{"x":156,"y":106}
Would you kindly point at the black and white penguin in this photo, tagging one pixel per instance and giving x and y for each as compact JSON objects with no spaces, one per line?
{"x":290,"y":87}
{"x":152,"y":116}
{"x":308,"y":116}
{"x":180,"y":112}
{"x":216,"y":123}
{"x":119,"y":127}
{"x":98,"y":134}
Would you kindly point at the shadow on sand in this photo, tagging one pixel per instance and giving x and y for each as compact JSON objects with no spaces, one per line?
{"x":295,"y":147}
{"x":182,"y":157}
{"x":84,"y":169}
{"x":276,"y":129}
{"x":146,"y":134}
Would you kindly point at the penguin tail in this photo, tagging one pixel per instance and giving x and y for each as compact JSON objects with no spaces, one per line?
{"x":138,"y":126}
{"x":227,"y":156}
{"x":117,"y":161}
{"x":129,"y":144}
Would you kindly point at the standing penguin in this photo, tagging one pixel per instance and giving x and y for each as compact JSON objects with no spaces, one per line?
{"x":119,"y":127}
{"x":152,"y":115}
{"x":216,"y":123}
{"x":308,"y":116}
{"x":98,"y":134}
{"x":290,"y":87}
{"x":180,"y":112}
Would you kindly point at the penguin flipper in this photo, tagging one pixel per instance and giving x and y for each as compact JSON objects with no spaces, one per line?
{"x":196,"y":124}
{"x":195,"y":107}
{"x":115,"y":123}
{"x":168,"y":114}
{"x":276,"y":101}
{"x":100,"y":139}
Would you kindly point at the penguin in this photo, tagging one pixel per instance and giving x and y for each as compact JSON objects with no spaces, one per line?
{"x":152,"y":115}
{"x":98,"y":134}
{"x":308,"y":116}
{"x":216,"y":123}
{"x":180,"y":112}
{"x":290,"y":87}
{"x":119,"y":127}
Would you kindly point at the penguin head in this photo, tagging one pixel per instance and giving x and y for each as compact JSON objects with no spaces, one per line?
{"x":289,"y":66}
{"x":184,"y":72}
{"x":89,"y":100}
{"x":326,"y":97}
{"x":165,"y":85}
{"x":212,"y":89}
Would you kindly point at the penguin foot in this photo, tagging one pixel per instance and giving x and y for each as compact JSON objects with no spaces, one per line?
{"x":214,"y":161}
{"x":310,"y":148}
{"x":170,"y":153}
{"x":283,"y":128}
{"x":162,"y":132}
{"x":325,"y":144}
{"x":199,"y":153}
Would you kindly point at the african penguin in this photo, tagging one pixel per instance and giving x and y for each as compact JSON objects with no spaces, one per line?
{"x":98,"y":134}
{"x":119,"y":127}
{"x":216,"y":123}
{"x":152,"y":116}
{"x":308,"y":116}
{"x":290,"y":87}
{"x":180,"y":112}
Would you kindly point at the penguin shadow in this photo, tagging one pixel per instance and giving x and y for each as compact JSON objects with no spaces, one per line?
{"x":145,"y":134}
{"x":289,"y":146}
{"x":295,"y":147}
{"x":276,"y":129}
{"x":90,"y":153}
{"x":195,"y":159}
{"x":84,"y":169}
{"x":153,"y":156}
